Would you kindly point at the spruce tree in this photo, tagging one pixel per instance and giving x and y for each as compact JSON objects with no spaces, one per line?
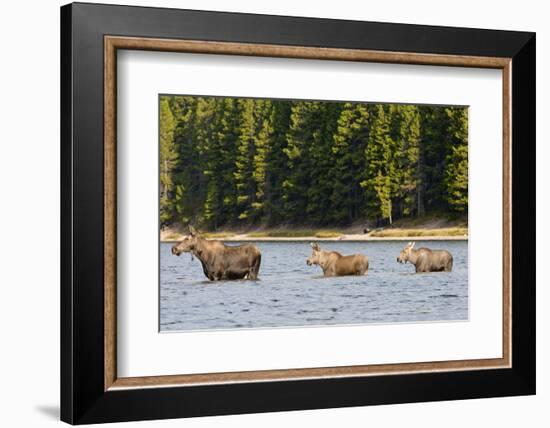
{"x":348,"y":149}
{"x":323,"y":123}
{"x":380,"y":166}
{"x":244,"y":183}
{"x":187,"y":169}
{"x":277,"y":168}
{"x":303,"y":124}
{"x":219,"y":205}
{"x":434,"y":124}
{"x":168,"y":156}
{"x":456,"y":172}
{"x":408,"y":157}
{"x":262,"y":149}
{"x":228,"y":162}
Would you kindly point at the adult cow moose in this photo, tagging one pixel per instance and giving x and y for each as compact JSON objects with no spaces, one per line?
{"x":220,"y":261}
{"x":335,"y":264}
{"x":426,"y":260}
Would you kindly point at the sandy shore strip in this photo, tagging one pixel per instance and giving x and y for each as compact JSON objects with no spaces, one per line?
{"x":344,"y":237}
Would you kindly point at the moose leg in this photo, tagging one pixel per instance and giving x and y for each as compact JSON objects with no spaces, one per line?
{"x":221,"y":275}
{"x":450,"y":263}
{"x":366,"y":271}
{"x":255,"y":268}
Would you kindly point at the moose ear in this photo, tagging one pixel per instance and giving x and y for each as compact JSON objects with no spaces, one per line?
{"x":315,"y":246}
{"x":192,"y":231}
{"x":412,"y":244}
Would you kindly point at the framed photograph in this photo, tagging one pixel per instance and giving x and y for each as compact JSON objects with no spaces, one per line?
{"x":266,"y":213}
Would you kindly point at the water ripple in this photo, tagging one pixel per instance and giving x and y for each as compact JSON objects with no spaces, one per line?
{"x":290,"y":293}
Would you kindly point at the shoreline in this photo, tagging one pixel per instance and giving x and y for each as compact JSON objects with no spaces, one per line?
{"x":343,"y":237}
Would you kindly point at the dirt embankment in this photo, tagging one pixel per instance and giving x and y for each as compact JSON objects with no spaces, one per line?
{"x":403,"y":230}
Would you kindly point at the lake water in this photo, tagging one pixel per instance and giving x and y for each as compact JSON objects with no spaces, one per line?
{"x":290,"y":293}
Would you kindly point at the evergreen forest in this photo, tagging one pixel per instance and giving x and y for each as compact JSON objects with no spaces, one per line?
{"x":242,"y":162}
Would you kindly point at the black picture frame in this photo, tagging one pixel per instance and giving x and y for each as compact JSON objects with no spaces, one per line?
{"x":83,"y":398}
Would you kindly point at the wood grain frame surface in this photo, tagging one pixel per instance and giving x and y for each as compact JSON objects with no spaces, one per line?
{"x":114,"y":43}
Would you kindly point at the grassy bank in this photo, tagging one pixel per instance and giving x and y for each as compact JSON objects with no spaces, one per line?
{"x":295,"y":233}
{"x":401,"y":233}
{"x":430,"y":228}
{"x":275,"y":233}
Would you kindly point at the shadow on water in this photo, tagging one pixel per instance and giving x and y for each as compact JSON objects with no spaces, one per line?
{"x":227,"y":281}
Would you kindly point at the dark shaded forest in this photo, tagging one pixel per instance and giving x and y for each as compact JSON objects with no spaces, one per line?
{"x":240,"y":163}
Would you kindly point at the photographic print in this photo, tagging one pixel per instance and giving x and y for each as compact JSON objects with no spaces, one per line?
{"x":293,"y":213}
{"x":332,"y":210}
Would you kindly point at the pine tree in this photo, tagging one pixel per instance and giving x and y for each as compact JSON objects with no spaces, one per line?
{"x":168,"y":157}
{"x":456,"y":173}
{"x":244,"y":183}
{"x":187,"y":170}
{"x":277,"y":169}
{"x":322,"y":123}
{"x":262,"y":148}
{"x":380,"y":166}
{"x":220,"y":202}
{"x":206,"y":146}
{"x":243,"y":162}
{"x":349,"y":163}
{"x":299,"y":139}
{"x":434,"y":124}
{"x":408,"y":157}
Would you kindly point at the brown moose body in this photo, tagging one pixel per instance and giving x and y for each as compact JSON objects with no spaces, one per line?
{"x":335,"y":264}
{"x":425,"y":259}
{"x":220,"y":261}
